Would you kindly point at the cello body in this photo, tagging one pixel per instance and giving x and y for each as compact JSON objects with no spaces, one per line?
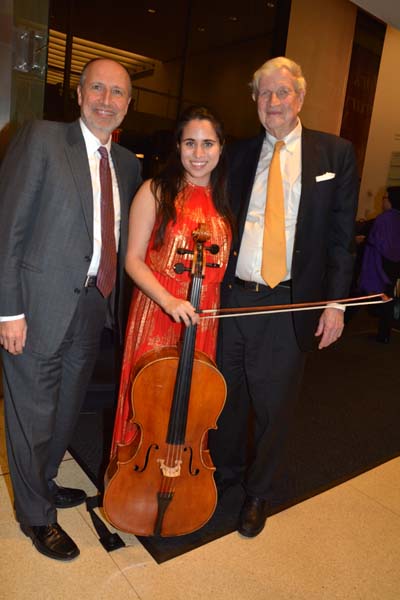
{"x":159,"y":475}
{"x":162,"y":483}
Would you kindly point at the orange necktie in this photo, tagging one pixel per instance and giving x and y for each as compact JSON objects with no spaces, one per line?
{"x":273,"y":266}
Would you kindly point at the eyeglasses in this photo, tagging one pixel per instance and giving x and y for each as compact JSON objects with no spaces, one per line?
{"x":281,"y":93}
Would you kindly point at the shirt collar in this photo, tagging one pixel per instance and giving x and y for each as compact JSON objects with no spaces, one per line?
{"x":91,"y":141}
{"x":290,"y":140}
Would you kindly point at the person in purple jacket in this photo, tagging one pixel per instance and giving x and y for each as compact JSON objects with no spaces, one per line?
{"x":380,"y":267}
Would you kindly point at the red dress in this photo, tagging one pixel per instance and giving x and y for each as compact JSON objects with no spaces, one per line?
{"x":149,"y":326}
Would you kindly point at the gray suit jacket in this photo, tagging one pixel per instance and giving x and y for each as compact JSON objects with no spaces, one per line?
{"x":46,"y":226}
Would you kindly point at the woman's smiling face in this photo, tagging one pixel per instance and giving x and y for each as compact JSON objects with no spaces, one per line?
{"x":200,"y":150}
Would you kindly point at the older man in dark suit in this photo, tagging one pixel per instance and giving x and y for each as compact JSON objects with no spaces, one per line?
{"x":294,"y":245}
{"x":65,"y":192}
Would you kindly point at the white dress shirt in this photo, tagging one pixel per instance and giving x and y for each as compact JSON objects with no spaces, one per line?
{"x":250,"y":254}
{"x":92,"y":149}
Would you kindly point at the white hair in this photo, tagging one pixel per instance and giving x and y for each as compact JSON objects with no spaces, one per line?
{"x":280,"y":62}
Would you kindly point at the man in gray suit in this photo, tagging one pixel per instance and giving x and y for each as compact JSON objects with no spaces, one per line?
{"x":53,"y":236}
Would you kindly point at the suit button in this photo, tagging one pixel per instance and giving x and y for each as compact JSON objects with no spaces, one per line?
{"x":230,"y":286}
{"x":235,"y":253}
{"x":88,"y":258}
{"x":77,"y":291}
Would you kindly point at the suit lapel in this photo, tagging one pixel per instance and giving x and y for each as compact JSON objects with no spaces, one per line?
{"x":123,"y":195}
{"x":120,"y":180}
{"x":248,"y":173}
{"x":75,"y":150}
{"x":309,"y":170}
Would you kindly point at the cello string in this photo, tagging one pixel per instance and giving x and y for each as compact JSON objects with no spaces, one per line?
{"x":182,"y":394}
{"x":190,"y":338}
{"x":182,"y":386}
{"x":190,"y":353}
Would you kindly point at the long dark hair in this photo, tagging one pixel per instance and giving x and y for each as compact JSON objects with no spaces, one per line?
{"x":171,"y":180}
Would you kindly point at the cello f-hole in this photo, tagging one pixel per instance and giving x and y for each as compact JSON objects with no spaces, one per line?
{"x":192,"y":472}
{"x":146,"y":462}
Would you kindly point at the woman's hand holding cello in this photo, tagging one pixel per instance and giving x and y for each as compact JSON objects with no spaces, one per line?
{"x":181,"y":310}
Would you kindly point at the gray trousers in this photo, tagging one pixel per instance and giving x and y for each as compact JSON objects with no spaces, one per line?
{"x":42,"y":397}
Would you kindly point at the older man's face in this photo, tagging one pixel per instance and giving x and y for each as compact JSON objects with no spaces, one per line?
{"x":278,"y":103}
{"x":104,"y":97}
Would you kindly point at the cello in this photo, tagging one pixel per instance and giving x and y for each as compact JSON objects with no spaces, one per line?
{"x":163,"y":485}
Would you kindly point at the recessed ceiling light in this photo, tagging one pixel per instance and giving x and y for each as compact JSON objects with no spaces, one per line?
{"x":202,"y":29}
{"x":151,"y":11}
{"x":232,"y":19}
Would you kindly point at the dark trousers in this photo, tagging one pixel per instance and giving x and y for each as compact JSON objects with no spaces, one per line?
{"x":262,"y":365}
{"x":43,"y":396}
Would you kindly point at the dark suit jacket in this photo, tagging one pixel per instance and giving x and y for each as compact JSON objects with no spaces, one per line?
{"x":323,"y":250}
{"x":46,"y":226}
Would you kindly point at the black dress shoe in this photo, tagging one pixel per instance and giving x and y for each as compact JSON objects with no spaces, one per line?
{"x":52,"y":541}
{"x":68,"y":497}
{"x":253,"y":516}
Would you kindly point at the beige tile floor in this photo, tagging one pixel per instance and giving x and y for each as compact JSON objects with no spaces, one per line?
{"x":343,"y":544}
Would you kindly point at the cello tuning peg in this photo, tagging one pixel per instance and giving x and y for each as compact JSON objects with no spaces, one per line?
{"x":184,"y":251}
{"x":179,"y":268}
{"x":213,"y":265}
{"x":213,"y":249}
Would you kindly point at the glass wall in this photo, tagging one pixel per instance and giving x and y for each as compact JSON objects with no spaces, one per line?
{"x":178,"y":52}
{"x":23,"y":62}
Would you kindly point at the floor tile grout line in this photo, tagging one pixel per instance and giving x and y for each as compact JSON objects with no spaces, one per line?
{"x":375,"y":500}
{"x":109,"y":554}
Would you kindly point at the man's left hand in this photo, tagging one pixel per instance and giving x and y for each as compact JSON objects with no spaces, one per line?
{"x":13,"y":335}
{"x":330,"y":327}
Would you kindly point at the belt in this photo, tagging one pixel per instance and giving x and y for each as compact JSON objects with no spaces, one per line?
{"x":90,"y":281}
{"x":260,"y":287}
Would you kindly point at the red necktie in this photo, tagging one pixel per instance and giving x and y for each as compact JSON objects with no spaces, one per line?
{"x":107,"y":271}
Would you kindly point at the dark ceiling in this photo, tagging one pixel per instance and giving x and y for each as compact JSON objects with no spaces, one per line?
{"x":157,"y":28}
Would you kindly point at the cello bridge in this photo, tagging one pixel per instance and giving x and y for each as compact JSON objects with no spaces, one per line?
{"x":167,"y":471}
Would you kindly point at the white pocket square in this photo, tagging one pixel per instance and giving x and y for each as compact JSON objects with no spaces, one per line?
{"x":325,"y":176}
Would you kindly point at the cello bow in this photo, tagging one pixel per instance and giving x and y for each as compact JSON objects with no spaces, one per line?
{"x":246,"y":311}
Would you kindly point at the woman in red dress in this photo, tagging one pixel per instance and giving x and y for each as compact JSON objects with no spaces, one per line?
{"x":190,"y":190}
